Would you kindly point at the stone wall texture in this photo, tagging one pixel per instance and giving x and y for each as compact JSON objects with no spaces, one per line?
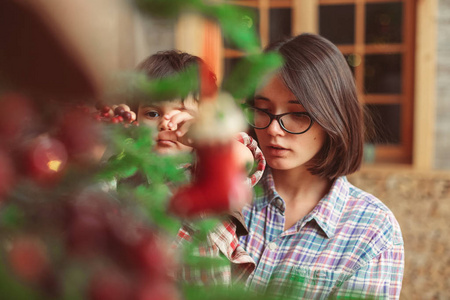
{"x":421,"y":203}
{"x":442,"y":125}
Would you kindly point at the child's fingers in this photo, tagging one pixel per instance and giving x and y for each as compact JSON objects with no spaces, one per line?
{"x":170,"y":114}
{"x":177,"y":120}
{"x":181,"y":117}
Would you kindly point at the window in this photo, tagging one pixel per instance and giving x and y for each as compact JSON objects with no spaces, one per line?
{"x":377,"y":38}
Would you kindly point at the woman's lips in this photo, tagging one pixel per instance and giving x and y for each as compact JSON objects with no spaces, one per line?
{"x":275,"y":150}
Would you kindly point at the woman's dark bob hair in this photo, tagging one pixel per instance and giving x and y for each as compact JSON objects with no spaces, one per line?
{"x":317,"y":73}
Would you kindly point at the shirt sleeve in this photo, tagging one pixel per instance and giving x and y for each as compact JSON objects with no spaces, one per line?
{"x":381,"y":278}
{"x":260,"y":161}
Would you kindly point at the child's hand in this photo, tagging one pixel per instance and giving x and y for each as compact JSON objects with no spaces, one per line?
{"x":180,"y":122}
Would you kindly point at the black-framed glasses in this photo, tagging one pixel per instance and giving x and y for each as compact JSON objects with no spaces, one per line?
{"x":291,"y":122}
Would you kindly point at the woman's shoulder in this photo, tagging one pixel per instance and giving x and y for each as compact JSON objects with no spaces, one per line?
{"x":373,"y":214}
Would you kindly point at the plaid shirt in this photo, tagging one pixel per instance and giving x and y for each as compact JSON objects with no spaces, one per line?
{"x":221,"y":242}
{"x":349,"y":246}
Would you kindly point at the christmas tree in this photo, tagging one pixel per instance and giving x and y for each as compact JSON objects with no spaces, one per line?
{"x":66,"y":231}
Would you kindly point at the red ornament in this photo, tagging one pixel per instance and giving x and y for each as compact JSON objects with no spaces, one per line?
{"x":46,"y":159}
{"x":80,"y":134}
{"x":28,"y":258}
{"x":218,"y":186}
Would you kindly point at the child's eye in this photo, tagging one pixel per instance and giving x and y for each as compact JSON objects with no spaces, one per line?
{"x":152,"y":114}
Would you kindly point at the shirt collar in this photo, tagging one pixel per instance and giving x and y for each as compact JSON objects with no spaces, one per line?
{"x":265,"y":190}
{"x":326,"y":213}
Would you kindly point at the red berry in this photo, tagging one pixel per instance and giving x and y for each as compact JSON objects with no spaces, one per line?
{"x":127,"y":116}
{"x":120,"y":118}
{"x":119,"y":110}
{"x":106,"y":109}
{"x":115,"y":120}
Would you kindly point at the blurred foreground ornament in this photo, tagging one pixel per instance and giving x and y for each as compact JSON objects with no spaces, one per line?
{"x":28,"y":258}
{"x":219,"y":183}
{"x":81,"y":135}
{"x":46,"y":158}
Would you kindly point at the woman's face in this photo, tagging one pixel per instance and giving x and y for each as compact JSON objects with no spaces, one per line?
{"x":166,"y":139}
{"x":283,"y":150}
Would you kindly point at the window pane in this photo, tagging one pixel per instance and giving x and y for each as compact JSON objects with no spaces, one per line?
{"x":383,"y":74}
{"x":337,"y":23}
{"x":384,"y":23}
{"x":383,"y":123}
{"x":280,"y":23}
{"x":249,"y":21}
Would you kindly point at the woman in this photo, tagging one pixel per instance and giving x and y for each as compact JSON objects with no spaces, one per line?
{"x":313,"y":235}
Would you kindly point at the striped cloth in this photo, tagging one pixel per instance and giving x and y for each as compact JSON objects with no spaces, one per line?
{"x":260,"y":161}
{"x":349,"y":247}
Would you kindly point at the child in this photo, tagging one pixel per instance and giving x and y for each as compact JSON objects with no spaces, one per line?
{"x":171,"y":119}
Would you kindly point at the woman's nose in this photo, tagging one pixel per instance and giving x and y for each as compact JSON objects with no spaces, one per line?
{"x":274,"y":128}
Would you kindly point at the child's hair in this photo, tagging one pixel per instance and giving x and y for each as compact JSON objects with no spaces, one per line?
{"x":168,"y":63}
{"x":317,"y":73}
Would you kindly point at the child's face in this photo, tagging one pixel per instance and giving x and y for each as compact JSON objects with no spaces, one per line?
{"x":167,"y":118}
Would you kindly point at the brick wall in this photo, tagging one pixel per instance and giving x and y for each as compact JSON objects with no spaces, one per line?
{"x":442,"y":146}
{"x":421,"y":203}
